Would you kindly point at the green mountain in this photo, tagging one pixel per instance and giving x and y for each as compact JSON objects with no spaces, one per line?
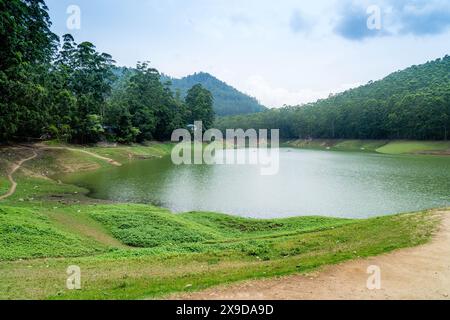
{"x":410,"y":104}
{"x":227,"y":100}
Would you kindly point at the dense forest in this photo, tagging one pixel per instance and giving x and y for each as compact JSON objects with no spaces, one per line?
{"x":409,"y":104}
{"x":57,"y":88}
{"x":52,"y":88}
{"x":227,"y":100}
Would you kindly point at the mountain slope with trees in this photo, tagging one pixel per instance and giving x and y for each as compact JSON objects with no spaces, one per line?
{"x":227,"y":100}
{"x":409,"y":104}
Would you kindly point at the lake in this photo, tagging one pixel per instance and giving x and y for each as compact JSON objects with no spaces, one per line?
{"x":334,"y":184}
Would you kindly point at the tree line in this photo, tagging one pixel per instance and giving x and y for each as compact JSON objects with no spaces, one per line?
{"x":409,"y":104}
{"x":57,"y":88}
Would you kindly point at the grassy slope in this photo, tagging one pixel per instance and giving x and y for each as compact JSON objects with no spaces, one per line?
{"x":178,"y":264}
{"x":403,"y":147}
{"x":127,"y":153}
{"x":28,"y":233}
{"x":381,"y":146}
{"x":4,"y":184}
{"x":337,"y":145}
{"x":137,"y":251}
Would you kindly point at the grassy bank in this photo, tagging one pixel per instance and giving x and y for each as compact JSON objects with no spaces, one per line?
{"x":129,"y":251}
{"x":380,"y":146}
{"x":4,"y":184}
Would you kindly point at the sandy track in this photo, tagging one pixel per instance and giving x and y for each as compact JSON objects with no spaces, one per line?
{"x":416,"y":273}
{"x":15,"y":167}
{"x":109,"y":160}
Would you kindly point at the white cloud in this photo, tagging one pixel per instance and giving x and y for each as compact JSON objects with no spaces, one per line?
{"x":273,"y":96}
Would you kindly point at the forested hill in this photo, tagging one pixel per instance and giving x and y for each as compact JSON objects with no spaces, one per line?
{"x":429,"y":77}
{"x":227,"y":100}
{"x":409,"y":104}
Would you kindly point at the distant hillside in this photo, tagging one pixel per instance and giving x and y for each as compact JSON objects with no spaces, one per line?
{"x":227,"y":100}
{"x":410,"y":104}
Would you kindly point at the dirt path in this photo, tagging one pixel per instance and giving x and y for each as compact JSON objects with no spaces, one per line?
{"x":15,"y":167}
{"x":109,"y":160}
{"x":417,"y":273}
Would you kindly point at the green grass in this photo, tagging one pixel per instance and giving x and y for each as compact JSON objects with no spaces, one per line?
{"x":64,"y":160}
{"x":170,"y":268}
{"x":130,"y":251}
{"x":235,"y":227}
{"x":32,"y":190}
{"x":27,"y":233}
{"x":54,"y":162}
{"x":360,"y":145}
{"x":4,"y":185}
{"x":127,"y":153}
{"x":380,"y":146}
{"x":402,"y":147}
{"x":6,"y":158}
{"x":148,"y":227}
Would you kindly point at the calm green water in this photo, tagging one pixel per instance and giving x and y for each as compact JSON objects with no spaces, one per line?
{"x":354,"y":185}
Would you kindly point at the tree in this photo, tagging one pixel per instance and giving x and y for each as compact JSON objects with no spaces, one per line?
{"x":145,"y":107}
{"x":27,"y":47}
{"x":199,"y":102}
{"x":71,"y":93}
{"x":83,"y":81}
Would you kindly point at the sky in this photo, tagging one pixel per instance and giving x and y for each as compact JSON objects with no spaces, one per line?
{"x":282,"y":52}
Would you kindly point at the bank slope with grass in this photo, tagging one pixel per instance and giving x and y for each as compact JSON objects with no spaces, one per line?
{"x":131,"y":251}
{"x":423,"y":147}
{"x":379,"y":146}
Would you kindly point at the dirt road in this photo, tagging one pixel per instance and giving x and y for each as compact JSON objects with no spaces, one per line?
{"x":417,"y":273}
{"x":15,"y":167}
